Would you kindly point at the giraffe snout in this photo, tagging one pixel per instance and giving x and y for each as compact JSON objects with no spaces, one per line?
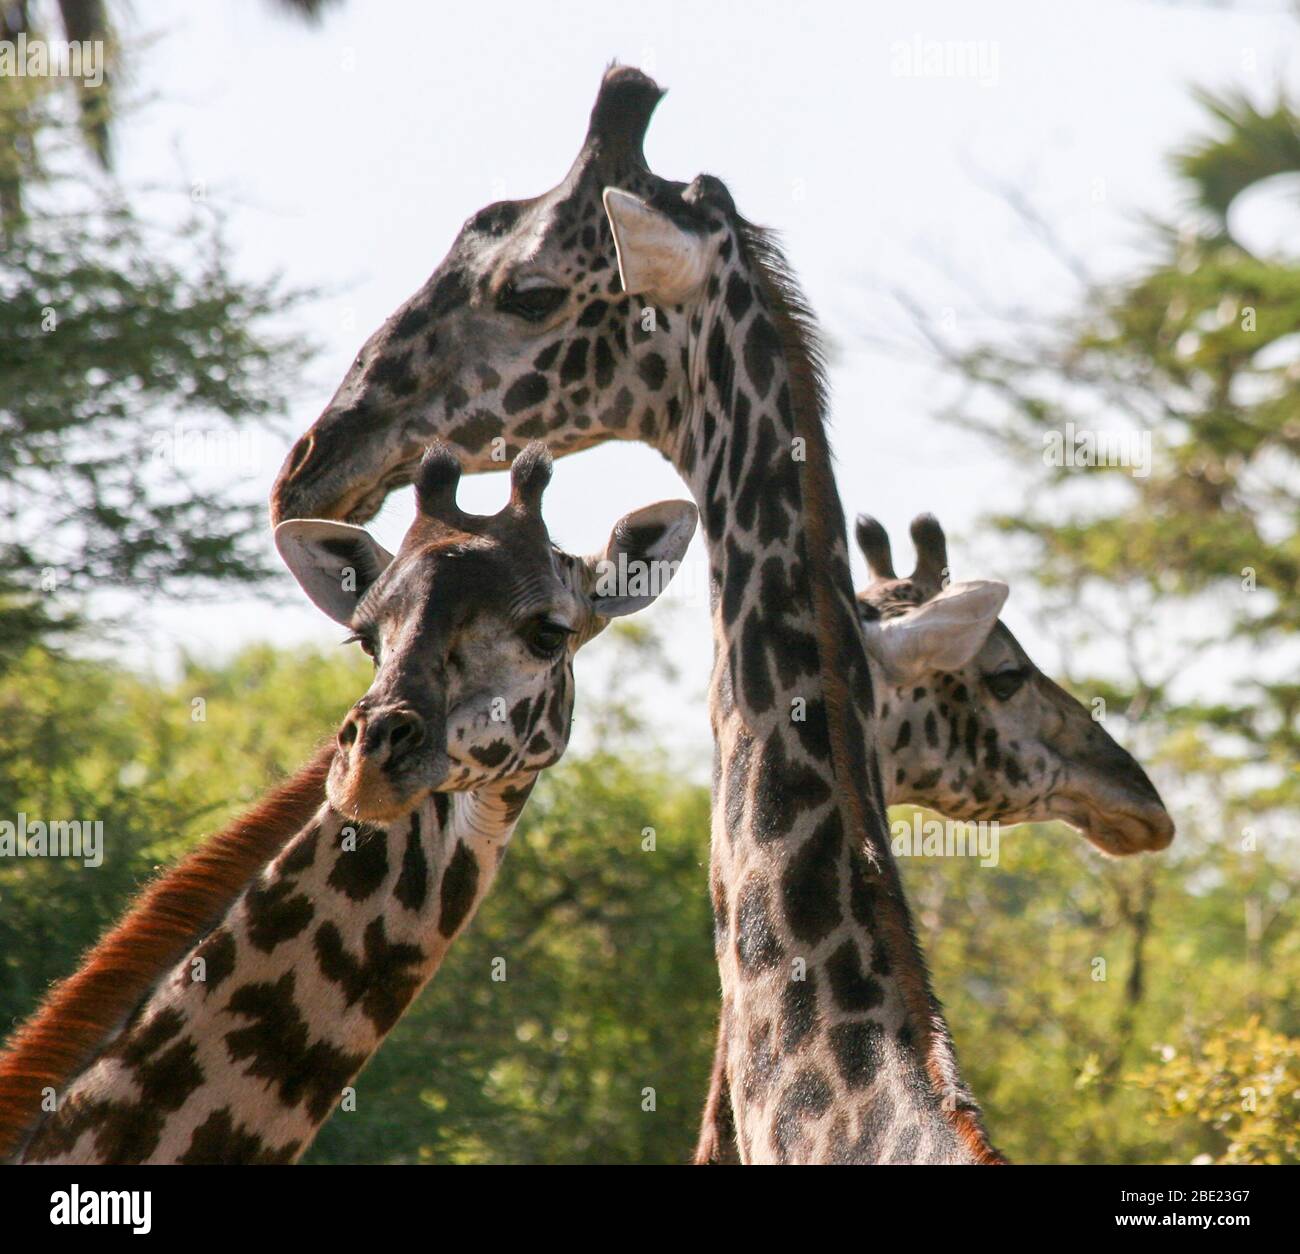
{"x":384,"y":763}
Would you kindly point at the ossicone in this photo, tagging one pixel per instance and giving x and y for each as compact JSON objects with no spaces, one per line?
{"x":621,"y":115}
{"x":931,"y":550}
{"x":529,"y":475}
{"x":436,"y":482}
{"x":873,"y":540}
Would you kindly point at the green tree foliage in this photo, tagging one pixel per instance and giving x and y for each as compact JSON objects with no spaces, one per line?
{"x":1067,"y":975}
{"x":157,"y":764}
{"x":133,"y":369}
{"x":1238,"y":1097}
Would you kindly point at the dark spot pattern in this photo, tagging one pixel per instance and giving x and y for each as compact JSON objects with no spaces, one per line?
{"x":381,"y":980}
{"x":146,"y":1037}
{"x":277,"y":1046}
{"x":798,"y":1012}
{"x":491,"y":755}
{"x":219,"y":1140}
{"x":808,"y":1096}
{"x":783,"y":791}
{"x":757,"y":945}
{"x":525,"y":392}
{"x":459,"y":888}
{"x":412,"y":887}
{"x":852,"y":989}
{"x":276,"y":913}
{"x":218,"y":954}
{"x":653,"y":370}
{"x":809,"y":886}
{"x":450,"y":292}
{"x":859,"y":1051}
{"x":358,"y":873}
{"x":574,"y":366}
{"x":168,"y":1080}
{"x":761,"y":1063}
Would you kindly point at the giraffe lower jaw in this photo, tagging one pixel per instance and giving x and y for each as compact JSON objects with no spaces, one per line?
{"x":1119,"y":832}
{"x":367,"y":794}
{"x":360,"y":509}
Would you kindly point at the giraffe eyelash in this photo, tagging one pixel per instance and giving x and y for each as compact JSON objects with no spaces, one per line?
{"x":367,"y":642}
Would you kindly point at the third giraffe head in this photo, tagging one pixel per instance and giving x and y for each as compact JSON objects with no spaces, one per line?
{"x":473,"y":627}
{"x":970,"y":727}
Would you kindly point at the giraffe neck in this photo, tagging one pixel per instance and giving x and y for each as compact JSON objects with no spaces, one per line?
{"x":247,"y":1044}
{"x":835,"y":1046}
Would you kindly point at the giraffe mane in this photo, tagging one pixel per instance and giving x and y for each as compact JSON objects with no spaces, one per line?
{"x":167,"y":917}
{"x":801,"y":340}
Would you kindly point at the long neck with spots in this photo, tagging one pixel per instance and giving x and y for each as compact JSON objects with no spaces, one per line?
{"x":249,"y":1042}
{"x":836,"y":1048}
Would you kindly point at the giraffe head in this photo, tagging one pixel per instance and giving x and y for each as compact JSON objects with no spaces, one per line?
{"x":473,"y":627}
{"x":573,"y":317}
{"x":971,"y":727}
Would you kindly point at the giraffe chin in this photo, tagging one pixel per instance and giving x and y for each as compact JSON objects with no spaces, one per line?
{"x":366,"y":793}
{"x":1119,"y":833}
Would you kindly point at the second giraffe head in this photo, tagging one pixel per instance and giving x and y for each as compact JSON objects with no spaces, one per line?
{"x":473,"y":627}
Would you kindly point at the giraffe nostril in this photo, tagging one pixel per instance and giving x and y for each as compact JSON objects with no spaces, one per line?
{"x":348,"y":733}
{"x":301,"y":453}
{"x":405,"y":731}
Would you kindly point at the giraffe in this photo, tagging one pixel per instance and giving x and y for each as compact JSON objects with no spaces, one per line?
{"x":237,"y":1048}
{"x":978,"y":731}
{"x":969,"y":727}
{"x":621,"y":305}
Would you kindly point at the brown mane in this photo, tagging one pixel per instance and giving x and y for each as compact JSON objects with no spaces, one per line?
{"x":805,"y":359}
{"x":167,"y":917}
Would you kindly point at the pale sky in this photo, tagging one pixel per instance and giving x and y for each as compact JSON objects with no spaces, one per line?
{"x":347,"y":155}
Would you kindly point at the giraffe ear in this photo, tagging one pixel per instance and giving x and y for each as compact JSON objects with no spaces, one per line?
{"x":656,"y":257}
{"x":644,"y":551}
{"x":335,"y":563}
{"x":943,"y":634}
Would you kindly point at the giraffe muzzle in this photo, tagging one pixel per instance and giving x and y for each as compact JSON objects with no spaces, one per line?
{"x":384,"y":765}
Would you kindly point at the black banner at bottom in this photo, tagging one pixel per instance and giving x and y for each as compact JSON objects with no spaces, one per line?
{"x":384,"y":1202}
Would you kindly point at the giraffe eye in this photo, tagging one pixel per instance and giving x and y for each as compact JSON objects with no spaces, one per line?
{"x":545,"y":636}
{"x":531,"y":303}
{"x":369,"y":644}
{"x":1002,"y":684}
